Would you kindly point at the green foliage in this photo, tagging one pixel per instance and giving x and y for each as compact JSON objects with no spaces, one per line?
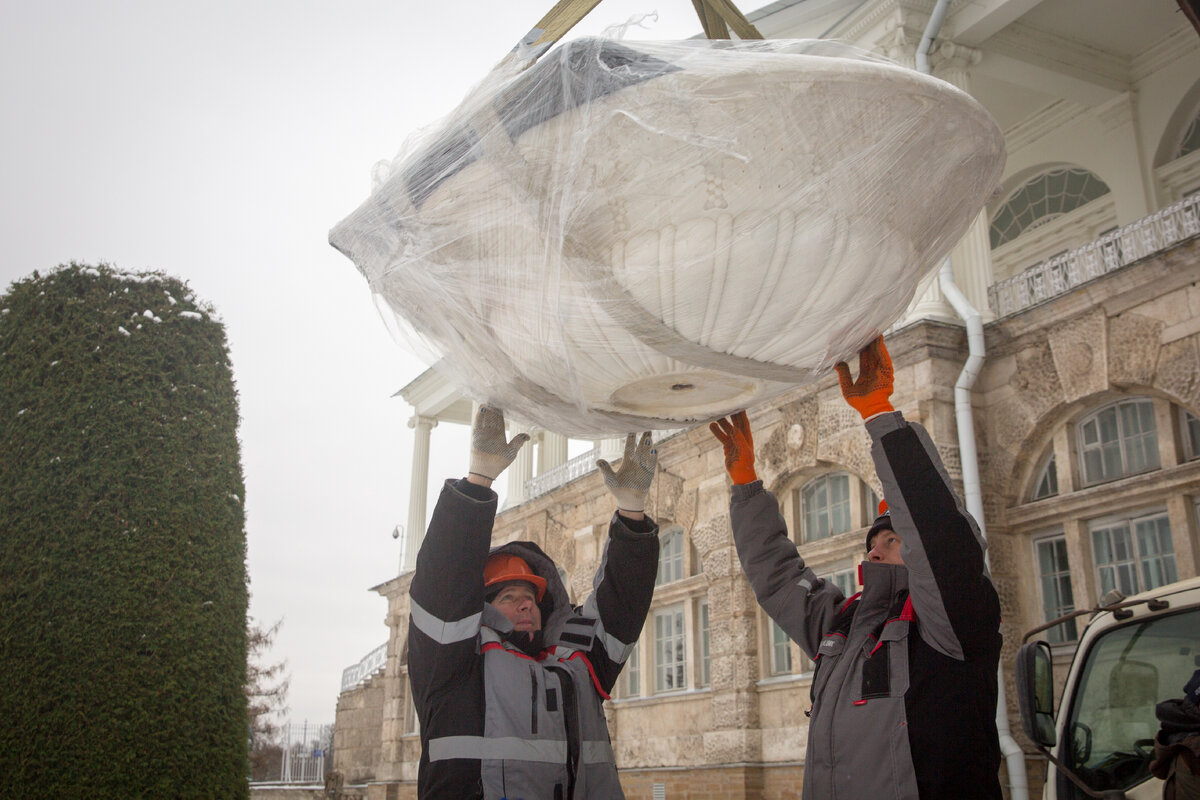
{"x":122,"y":571}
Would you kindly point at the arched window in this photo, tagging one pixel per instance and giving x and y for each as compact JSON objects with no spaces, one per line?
{"x":1118,"y":440}
{"x":825,"y":506}
{"x":1044,"y":198}
{"x":1191,"y":434}
{"x":1191,"y":138}
{"x":1046,"y":484}
{"x":670,"y":558}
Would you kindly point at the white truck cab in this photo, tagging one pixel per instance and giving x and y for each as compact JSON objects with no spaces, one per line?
{"x":1132,"y":655}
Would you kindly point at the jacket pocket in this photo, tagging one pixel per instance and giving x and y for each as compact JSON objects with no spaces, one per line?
{"x":885,"y":663}
{"x":829,"y":653}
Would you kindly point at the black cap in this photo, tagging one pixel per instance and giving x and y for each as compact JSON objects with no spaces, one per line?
{"x":882,"y":523}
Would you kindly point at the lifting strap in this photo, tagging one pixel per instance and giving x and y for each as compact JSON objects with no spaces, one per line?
{"x":717,"y":18}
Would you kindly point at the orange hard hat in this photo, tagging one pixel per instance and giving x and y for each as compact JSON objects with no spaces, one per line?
{"x":504,"y":567}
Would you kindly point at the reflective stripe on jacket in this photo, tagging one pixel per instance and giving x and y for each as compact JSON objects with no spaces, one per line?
{"x":904,"y":695}
{"x":495,"y":721}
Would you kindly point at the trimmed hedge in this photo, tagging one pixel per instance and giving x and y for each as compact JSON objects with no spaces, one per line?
{"x":122,"y":567}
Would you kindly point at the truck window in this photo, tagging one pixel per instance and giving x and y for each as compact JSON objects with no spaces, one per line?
{"x":1109,"y":735}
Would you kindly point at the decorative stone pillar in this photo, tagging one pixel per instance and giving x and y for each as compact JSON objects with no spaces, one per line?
{"x":519,"y":473}
{"x":972,"y":255}
{"x":417,"y":490}
{"x":612,"y":449}
{"x":552,"y":452}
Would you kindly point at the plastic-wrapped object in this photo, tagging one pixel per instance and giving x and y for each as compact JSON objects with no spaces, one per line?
{"x":645,"y":235}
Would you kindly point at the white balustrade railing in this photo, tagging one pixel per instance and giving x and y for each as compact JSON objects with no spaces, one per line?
{"x":577,"y":467}
{"x":1152,"y":234}
{"x":561,"y":475}
{"x":371,"y":663}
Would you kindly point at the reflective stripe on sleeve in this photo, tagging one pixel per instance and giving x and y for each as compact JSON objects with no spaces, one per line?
{"x":508,"y":748}
{"x":597,"y":752}
{"x":440,"y":631}
{"x":617,"y":650}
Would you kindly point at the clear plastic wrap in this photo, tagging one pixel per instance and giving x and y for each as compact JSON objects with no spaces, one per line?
{"x":633,"y":235}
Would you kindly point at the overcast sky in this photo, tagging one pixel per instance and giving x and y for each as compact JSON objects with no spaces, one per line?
{"x":218,"y":142}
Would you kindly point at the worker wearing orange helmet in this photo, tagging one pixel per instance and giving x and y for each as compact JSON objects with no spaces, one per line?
{"x":904,"y":691}
{"x":507,"y":676}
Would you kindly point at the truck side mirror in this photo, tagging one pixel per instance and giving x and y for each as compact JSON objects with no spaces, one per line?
{"x":1035,"y":692}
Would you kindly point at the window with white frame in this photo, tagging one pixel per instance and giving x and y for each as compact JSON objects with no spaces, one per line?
{"x":1118,"y":440}
{"x":633,"y":673}
{"x":411,"y":724}
{"x":1190,"y":425}
{"x":781,"y":649}
{"x":1046,"y":484}
{"x":705,"y":652}
{"x":670,"y":557}
{"x":1134,"y":554}
{"x":670,"y":649}
{"x":1058,"y":599}
{"x":846,"y":580}
{"x":825,"y":506}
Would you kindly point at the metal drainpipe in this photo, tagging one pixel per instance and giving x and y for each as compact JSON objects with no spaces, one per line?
{"x":1018,"y":784}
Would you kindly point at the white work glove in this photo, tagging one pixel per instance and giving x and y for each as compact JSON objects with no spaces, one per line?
{"x":631,"y":483}
{"x":491,"y":452}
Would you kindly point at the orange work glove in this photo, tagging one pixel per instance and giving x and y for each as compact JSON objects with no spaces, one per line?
{"x":734,"y":435}
{"x":869,"y":394}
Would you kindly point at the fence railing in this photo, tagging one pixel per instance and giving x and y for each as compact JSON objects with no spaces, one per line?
{"x":298,"y":755}
{"x":579,"y":466}
{"x":369,"y":665}
{"x":304,"y":748}
{"x":561,"y":475}
{"x":1121,"y":247}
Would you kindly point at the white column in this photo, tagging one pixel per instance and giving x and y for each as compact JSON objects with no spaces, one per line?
{"x":552,"y":452}
{"x":971,"y":256}
{"x":972,"y":261}
{"x":414,"y":533}
{"x":519,"y":473}
{"x":612,"y":449}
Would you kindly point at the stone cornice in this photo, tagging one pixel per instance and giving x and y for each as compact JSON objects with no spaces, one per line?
{"x":1034,"y":45}
{"x":1146,"y":489}
{"x":872,"y":13}
{"x":1167,"y":52}
{"x":951,"y":56}
{"x":1116,"y":112}
{"x":1050,"y":119}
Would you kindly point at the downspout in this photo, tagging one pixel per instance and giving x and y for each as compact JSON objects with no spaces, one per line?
{"x":1014,"y":758}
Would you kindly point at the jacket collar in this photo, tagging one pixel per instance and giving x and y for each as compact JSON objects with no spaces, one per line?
{"x":881,"y":583}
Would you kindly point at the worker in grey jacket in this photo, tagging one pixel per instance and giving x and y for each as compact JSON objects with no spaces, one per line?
{"x":904,"y":692}
{"x":508,"y":678}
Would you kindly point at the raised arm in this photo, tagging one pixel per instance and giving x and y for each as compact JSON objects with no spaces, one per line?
{"x":802,"y":604}
{"x":624,"y":582}
{"x":447,"y":596}
{"x":942,"y":548}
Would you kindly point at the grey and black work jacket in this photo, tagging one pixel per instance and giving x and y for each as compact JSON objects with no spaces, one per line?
{"x":501,"y":720}
{"x":904,"y":695}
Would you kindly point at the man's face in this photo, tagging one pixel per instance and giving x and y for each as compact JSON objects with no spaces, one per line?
{"x":885,"y":548}
{"x":518,"y":602}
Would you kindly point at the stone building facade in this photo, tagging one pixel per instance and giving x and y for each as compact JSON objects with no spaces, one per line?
{"x":1086,"y":411}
